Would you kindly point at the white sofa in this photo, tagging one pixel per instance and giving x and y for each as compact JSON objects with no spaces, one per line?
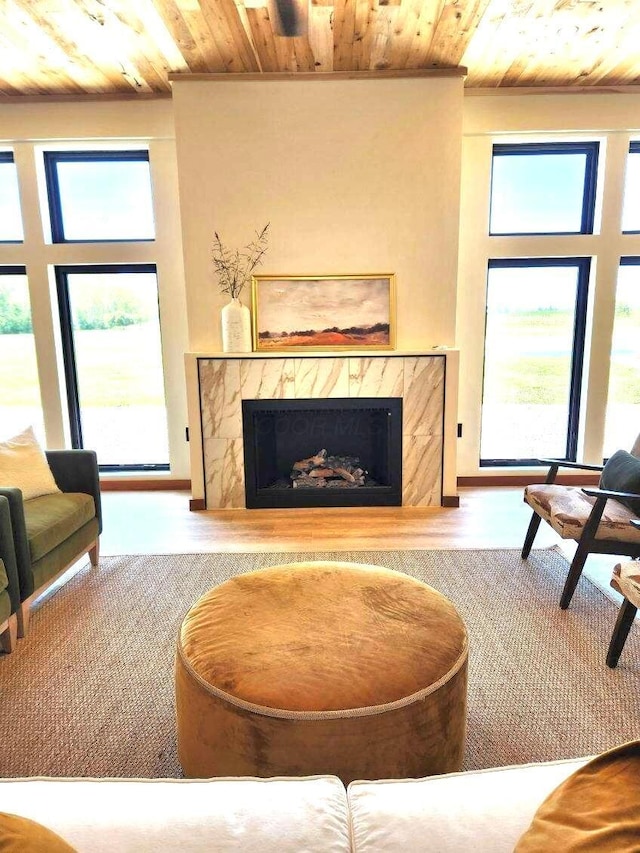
{"x":484,"y":811}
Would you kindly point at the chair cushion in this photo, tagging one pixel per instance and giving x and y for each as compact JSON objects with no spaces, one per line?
{"x":51,"y":519}
{"x":22,"y":835}
{"x":626,"y":579}
{"x":4,"y":580}
{"x":595,"y":809}
{"x":24,"y":466}
{"x":567,"y":509}
{"x":622,"y":474}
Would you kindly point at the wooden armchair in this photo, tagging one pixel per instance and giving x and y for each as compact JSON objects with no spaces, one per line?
{"x":598,"y":519}
{"x":53,"y":531}
{"x":9,"y":588}
{"x":626,"y":580}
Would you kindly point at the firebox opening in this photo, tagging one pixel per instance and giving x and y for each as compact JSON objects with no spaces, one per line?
{"x":326,"y":452}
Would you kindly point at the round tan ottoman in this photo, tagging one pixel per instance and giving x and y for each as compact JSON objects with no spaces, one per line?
{"x":321,"y":668}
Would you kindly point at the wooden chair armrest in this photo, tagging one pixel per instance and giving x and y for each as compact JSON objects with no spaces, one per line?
{"x":567,"y":463}
{"x":554,"y":464}
{"x":609,"y":493}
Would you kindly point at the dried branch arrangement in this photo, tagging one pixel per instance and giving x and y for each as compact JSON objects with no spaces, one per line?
{"x":234,"y":268}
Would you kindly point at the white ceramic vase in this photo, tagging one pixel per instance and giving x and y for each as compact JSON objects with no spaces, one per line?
{"x":236,"y":327}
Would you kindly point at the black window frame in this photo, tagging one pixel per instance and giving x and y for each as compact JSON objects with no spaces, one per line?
{"x":583,"y":265}
{"x":634,"y":148}
{"x":7,"y":157}
{"x":62,"y":271}
{"x":51,"y":160}
{"x":590,"y":148}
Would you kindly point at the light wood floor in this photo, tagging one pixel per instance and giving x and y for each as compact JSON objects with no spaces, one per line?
{"x":489,"y":517}
{"x":161,"y":523}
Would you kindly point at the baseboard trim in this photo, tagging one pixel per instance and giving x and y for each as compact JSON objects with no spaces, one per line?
{"x":132,"y":484}
{"x":450,"y":500}
{"x":529,"y":479}
{"x":197,"y":503}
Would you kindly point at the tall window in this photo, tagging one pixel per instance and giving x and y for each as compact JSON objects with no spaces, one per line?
{"x":99,"y":195}
{"x":535,"y":326}
{"x":543,"y":188}
{"x":113,"y":363}
{"x":536,"y":307}
{"x":10,"y":216}
{"x":622,"y":422}
{"x":20,"y":404}
{"x":109,"y":315}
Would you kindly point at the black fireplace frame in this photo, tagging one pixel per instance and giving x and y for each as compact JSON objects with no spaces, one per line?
{"x":386,"y":494}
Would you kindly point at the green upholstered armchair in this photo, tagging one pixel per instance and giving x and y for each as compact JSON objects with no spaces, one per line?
{"x":53,"y":531}
{"x":9,"y":588}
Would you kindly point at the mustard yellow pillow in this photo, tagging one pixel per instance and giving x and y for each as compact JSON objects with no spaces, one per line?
{"x":24,"y":466}
{"x":21,"y":835}
{"x":595,"y":809}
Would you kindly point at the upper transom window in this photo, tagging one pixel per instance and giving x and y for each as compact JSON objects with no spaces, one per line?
{"x":543,"y":188}
{"x":99,"y":196}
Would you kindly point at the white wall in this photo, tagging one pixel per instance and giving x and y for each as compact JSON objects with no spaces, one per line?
{"x":25,"y":127}
{"x":614,"y":120}
{"x":355,"y":176}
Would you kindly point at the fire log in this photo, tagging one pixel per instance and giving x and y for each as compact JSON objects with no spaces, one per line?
{"x":311,"y":461}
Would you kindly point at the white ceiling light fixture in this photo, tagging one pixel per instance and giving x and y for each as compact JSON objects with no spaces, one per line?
{"x":290,"y":18}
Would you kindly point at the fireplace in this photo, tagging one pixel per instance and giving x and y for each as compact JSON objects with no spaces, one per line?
{"x":322,"y":452}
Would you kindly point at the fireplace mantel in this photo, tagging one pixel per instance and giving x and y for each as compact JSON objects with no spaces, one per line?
{"x":427,"y":381}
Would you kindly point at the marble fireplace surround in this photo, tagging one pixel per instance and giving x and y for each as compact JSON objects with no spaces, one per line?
{"x":218,"y":382}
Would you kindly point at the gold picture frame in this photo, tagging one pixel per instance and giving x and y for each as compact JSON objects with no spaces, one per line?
{"x":323,"y":312}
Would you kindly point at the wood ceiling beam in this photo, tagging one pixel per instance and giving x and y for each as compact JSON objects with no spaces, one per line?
{"x":263,"y":38}
{"x":429,"y":17}
{"x":224,"y":23}
{"x":305,"y":60}
{"x":190,"y":47}
{"x":344,"y":25}
{"x":48,"y":63}
{"x":321,"y":36}
{"x":456,"y":25}
{"x":404,"y":25}
{"x":201,"y":33}
{"x":89,"y":77}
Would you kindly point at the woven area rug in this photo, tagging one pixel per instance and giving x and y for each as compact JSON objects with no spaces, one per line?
{"x":89,"y":692}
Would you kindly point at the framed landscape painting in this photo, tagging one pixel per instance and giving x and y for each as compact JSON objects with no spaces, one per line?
{"x":323,"y":312}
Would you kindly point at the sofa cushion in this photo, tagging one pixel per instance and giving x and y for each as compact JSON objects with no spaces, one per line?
{"x":24,"y":466}
{"x":595,"y":809}
{"x":165,"y":815}
{"x":484,"y":811}
{"x":21,"y":835}
{"x":51,"y":519}
{"x":567,"y":510}
{"x":622,"y":474}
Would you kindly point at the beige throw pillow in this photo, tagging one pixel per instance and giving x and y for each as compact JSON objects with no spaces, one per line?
{"x":24,"y":466}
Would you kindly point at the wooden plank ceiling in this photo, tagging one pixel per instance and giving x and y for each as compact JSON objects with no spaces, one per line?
{"x":88,"y":47}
